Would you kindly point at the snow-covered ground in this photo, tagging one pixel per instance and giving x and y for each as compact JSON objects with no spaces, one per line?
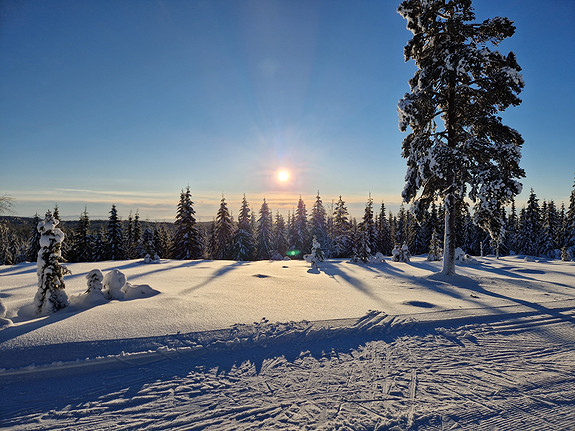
{"x":492,"y":348}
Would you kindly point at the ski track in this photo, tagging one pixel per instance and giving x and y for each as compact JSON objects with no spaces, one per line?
{"x":516,"y":373}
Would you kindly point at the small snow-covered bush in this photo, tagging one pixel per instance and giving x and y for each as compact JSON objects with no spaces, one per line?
{"x":316,"y":255}
{"x":378,"y":258}
{"x":276,"y":256}
{"x":149,"y":259}
{"x":94,"y":295}
{"x":401,"y":254}
{"x":113,"y":283}
{"x":462,"y":257}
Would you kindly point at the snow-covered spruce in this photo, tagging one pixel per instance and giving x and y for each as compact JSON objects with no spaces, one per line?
{"x":461,"y":81}
{"x":401,"y":254}
{"x":435,"y":251}
{"x":316,"y":255}
{"x":93,"y":295}
{"x":50,"y":296}
{"x":114,"y":281}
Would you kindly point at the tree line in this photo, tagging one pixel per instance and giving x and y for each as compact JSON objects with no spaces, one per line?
{"x":540,"y":228}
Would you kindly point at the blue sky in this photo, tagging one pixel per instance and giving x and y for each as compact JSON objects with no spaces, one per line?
{"x":127,"y":102}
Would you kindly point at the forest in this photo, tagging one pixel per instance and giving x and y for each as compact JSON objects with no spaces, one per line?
{"x":539,"y":229}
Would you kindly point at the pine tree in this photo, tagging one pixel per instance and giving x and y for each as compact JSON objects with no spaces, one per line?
{"x":115,"y":237}
{"x":50,"y":296}
{"x":512,"y":229}
{"x":279,"y":241}
{"x":300,"y":238}
{"x":137,"y":240}
{"x":341,"y":230}
{"x":530,"y":222}
{"x":435,"y":251}
{"x":384,"y":243}
{"x":161,"y":241}
{"x":149,"y":246}
{"x":462,"y":81}
{"x":570,"y":226}
{"x":82,"y":241}
{"x":548,"y":243}
{"x":367,"y":226}
{"x":33,"y":246}
{"x":264,"y":246}
{"x":187,"y":242}
{"x":243,"y":242}
{"x":318,"y":224}
{"x":99,"y":246}
{"x":224,"y":230}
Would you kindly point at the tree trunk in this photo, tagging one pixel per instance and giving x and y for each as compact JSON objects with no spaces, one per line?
{"x":450,"y":202}
{"x":449,"y":237}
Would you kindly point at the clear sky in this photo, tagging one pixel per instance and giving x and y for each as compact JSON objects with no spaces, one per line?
{"x":127,"y":102}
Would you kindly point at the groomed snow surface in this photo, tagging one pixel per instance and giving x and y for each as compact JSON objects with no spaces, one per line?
{"x":390,"y":346}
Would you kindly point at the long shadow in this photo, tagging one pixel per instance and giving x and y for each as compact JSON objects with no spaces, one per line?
{"x":333,"y":270}
{"x":18,"y":270}
{"x":216,"y":274}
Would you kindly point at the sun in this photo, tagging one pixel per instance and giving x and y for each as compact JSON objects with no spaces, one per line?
{"x":283,"y":175}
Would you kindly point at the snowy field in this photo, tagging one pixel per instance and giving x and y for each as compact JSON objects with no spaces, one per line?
{"x":360,"y":347}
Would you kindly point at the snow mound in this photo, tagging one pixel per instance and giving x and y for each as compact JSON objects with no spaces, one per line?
{"x":131,"y":291}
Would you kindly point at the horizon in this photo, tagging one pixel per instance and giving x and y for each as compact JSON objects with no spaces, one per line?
{"x":120,"y":104}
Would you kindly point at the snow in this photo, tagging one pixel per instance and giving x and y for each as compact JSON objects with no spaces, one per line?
{"x":200,"y":346}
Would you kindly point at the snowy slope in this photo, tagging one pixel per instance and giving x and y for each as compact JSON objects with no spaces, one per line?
{"x":192,"y":356}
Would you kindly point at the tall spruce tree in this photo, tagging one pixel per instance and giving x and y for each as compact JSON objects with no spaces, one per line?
{"x":300,"y":240}
{"x":465,"y":83}
{"x":264,"y":245}
{"x":570,"y":226}
{"x":279,"y":240}
{"x":243,"y":241}
{"x":115,"y":237}
{"x":318,"y":225}
{"x":384,"y":243}
{"x":187,"y":243}
{"x":82,"y":242}
{"x":224,"y":231}
{"x":367,"y":229}
{"x":530,"y":226}
{"x":33,"y":246}
{"x":341,"y":230}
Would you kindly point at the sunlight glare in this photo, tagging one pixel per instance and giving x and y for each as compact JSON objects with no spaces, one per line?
{"x":283,"y":175}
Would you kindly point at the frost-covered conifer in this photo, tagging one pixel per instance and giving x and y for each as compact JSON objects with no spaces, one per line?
{"x":115,"y":237}
{"x":530,"y":226}
{"x":299,"y":240}
{"x":50,"y":296}
{"x":33,"y":246}
{"x":82,"y":241}
{"x":316,"y":255}
{"x":435,"y":251}
{"x":94,"y":280}
{"x":149,"y":246}
{"x":264,"y":246}
{"x":224,"y":230}
{"x":570,"y":225}
{"x":384,"y":244}
{"x":187,"y":243}
{"x":318,"y":223}
{"x":279,"y":241}
{"x":463,"y":82}
{"x":341,"y":230}
{"x":401,"y":254}
{"x":243,"y":240}
{"x":367,"y":226}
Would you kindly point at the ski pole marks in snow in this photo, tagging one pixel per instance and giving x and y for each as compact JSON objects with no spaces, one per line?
{"x":481,"y":376}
